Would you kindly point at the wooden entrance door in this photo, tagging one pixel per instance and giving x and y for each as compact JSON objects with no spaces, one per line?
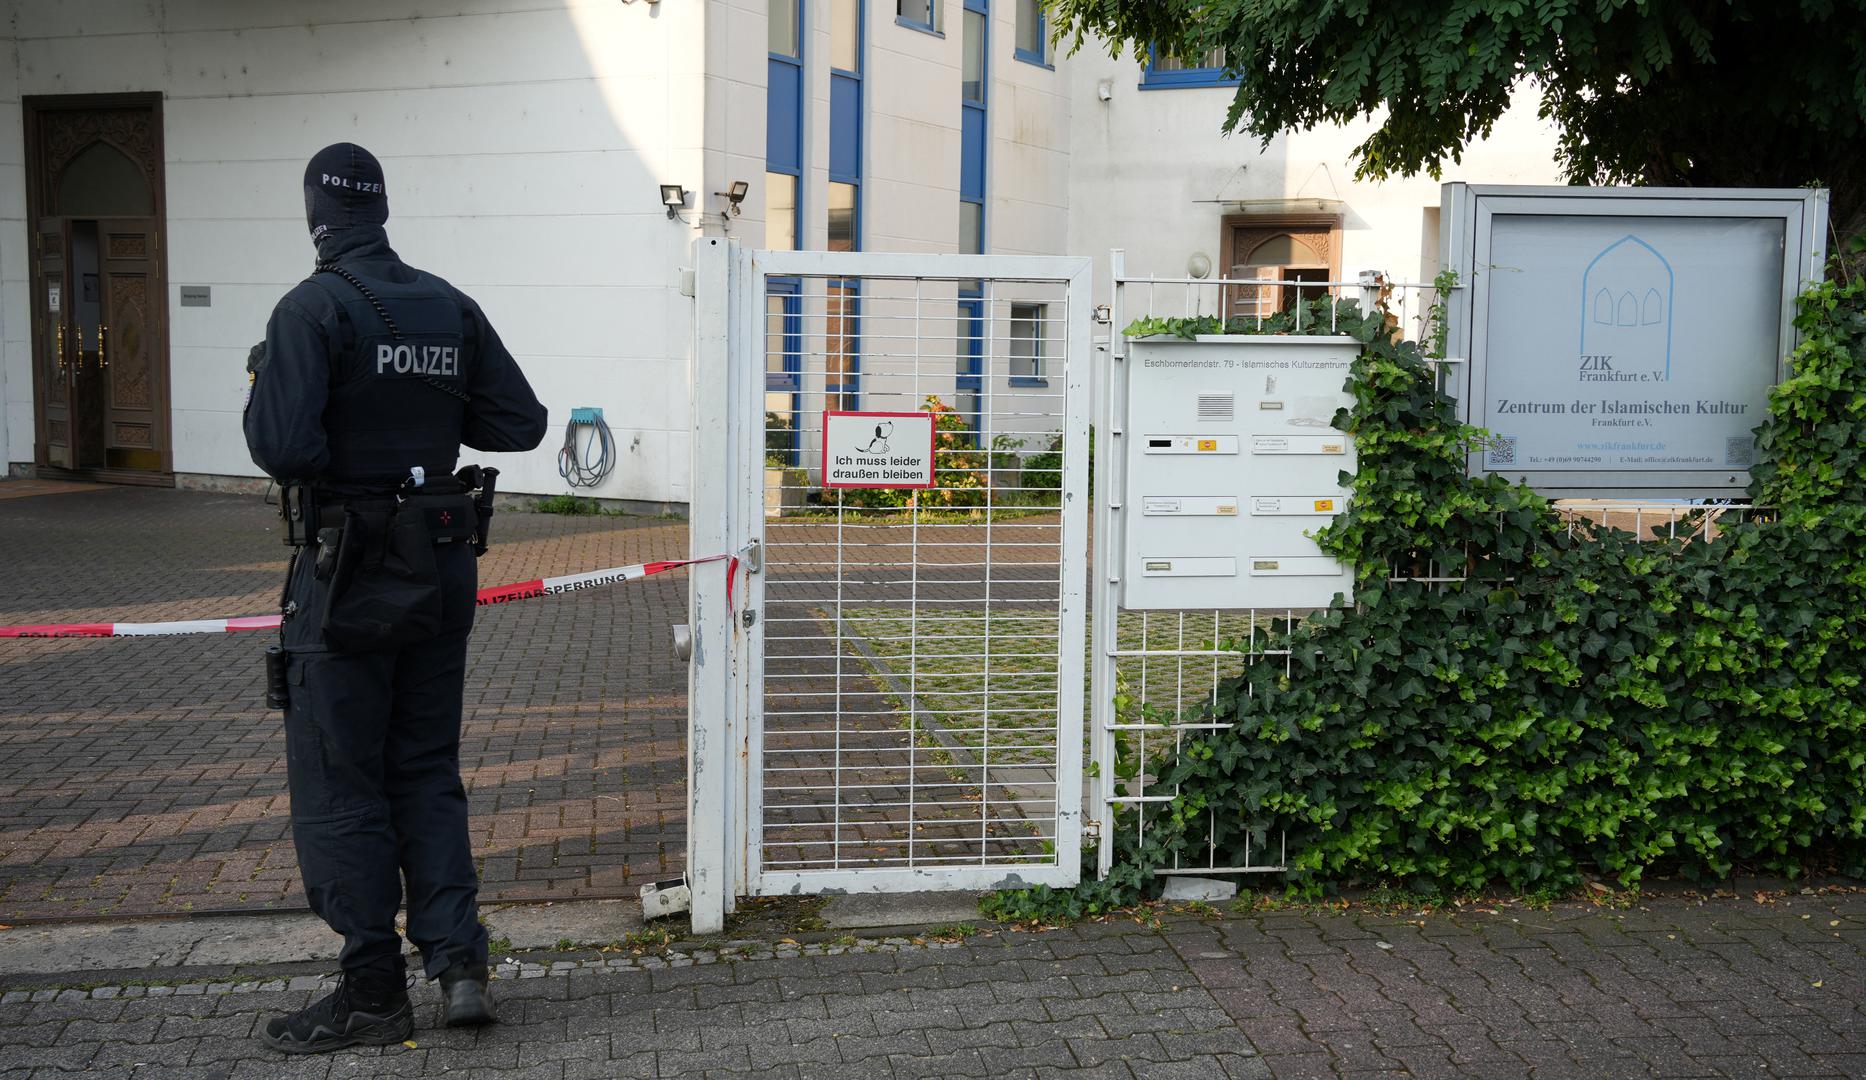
{"x":55,"y":359}
{"x":101,"y":383}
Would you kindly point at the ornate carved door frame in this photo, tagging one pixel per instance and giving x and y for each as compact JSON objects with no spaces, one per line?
{"x":1320,"y":233}
{"x":111,"y":355}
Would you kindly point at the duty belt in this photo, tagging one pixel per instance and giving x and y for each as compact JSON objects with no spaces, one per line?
{"x":308,"y":514}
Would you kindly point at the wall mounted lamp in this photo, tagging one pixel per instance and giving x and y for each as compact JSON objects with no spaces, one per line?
{"x":674,"y":197}
{"x":734,"y":195}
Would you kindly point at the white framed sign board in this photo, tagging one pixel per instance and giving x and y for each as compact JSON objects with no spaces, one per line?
{"x":1622,"y":342}
{"x":878,"y":450}
{"x":1231,"y":465}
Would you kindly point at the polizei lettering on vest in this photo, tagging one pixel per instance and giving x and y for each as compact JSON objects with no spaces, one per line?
{"x":418,"y":359}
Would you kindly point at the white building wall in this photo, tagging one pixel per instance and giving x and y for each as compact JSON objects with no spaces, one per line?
{"x":522,"y":146}
{"x":1151,"y":173}
{"x":1030,"y":150}
{"x":912,"y":166}
{"x":911,"y":160}
{"x":911,"y":183}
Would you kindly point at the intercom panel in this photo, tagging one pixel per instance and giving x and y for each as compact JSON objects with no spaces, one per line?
{"x":1233,"y":463}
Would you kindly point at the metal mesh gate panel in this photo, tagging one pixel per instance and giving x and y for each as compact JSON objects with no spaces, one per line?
{"x":921,"y":710}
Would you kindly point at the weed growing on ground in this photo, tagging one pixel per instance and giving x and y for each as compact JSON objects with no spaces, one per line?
{"x":951,"y":932}
{"x":570,"y":505}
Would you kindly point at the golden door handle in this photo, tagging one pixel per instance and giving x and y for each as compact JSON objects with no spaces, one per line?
{"x":103,"y":361}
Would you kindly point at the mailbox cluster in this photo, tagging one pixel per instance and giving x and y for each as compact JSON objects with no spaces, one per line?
{"x":1232,"y":464}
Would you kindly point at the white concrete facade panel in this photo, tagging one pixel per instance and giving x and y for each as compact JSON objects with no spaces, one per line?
{"x":522,"y":144}
{"x":524,"y":140}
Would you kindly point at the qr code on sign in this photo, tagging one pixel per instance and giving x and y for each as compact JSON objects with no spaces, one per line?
{"x":1502,"y":450}
{"x":1739,"y":451}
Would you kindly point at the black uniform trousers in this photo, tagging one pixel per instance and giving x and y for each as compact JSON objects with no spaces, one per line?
{"x":373,"y":760}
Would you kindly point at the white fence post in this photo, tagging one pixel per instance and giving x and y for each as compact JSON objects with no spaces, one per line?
{"x":1106,"y":611}
{"x":715,"y":462}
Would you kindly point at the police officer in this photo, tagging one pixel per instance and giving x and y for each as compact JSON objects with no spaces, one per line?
{"x":372,"y":376}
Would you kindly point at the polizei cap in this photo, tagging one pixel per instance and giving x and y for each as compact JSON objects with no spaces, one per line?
{"x":344,"y":189}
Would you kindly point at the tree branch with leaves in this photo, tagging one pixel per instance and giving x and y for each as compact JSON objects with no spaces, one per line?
{"x":1738,"y":93}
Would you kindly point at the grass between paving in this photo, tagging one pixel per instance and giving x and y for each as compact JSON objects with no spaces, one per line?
{"x":989,"y":681}
{"x":988,"y":684}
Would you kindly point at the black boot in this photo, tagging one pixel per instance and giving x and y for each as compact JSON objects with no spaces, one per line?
{"x":466,"y":999}
{"x":367,"y":1007}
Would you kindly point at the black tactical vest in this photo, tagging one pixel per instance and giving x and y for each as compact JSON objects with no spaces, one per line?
{"x":398,"y":382}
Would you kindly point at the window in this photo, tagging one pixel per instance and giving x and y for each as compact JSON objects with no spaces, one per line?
{"x":842,"y":347}
{"x":1027,"y":344}
{"x":928,"y":15}
{"x":1211,"y":58}
{"x":1207,"y":69}
{"x":783,"y":360}
{"x":784,"y":126}
{"x":783,"y":373}
{"x":845,"y":35}
{"x":971,"y":228}
{"x":972,"y":89}
{"x":843,"y":221}
{"x":1279,"y":249}
{"x":1033,"y":43}
{"x":785,"y":40}
{"x":780,"y":212}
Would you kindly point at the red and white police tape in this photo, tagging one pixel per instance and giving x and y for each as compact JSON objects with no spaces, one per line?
{"x":498,"y":594}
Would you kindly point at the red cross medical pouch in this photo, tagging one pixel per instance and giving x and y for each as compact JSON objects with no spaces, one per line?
{"x":385,"y":587}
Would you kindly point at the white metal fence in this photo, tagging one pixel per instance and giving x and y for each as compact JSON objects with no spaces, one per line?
{"x":1157,"y":674}
{"x":893,"y":698}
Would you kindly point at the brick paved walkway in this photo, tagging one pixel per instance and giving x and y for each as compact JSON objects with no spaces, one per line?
{"x":1724,"y":988}
{"x":144,"y":775}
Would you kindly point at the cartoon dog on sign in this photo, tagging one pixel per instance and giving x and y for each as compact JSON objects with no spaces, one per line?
{"x":879,"y":444}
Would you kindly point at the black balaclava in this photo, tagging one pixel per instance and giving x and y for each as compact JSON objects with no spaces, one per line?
{"x":344,"y":189}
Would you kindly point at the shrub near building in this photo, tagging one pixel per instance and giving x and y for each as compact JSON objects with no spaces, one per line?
{"x":1585,"y":703}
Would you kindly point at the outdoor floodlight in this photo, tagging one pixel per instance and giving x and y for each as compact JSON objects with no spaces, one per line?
{"x":673,"y":196}
{"x":734,"y":195}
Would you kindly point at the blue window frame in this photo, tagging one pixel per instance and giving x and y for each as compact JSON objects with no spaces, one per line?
{"x":784,"y":336}
{"x":1033,"y":33}
{"x":842,"y":330}
{"x":784,"y":125}
{"x":842,"y":345}
{"x":1168,"y":73}
{"x":927,"y":16}
{"x":784,"y":196}
{"x":969,"y":381}
{"x":1029,"y":350}
{"x":784,"y":369}
{"x":974,"y":128}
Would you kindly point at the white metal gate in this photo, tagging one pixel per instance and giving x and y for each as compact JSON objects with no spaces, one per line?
{"x":889,"y":694}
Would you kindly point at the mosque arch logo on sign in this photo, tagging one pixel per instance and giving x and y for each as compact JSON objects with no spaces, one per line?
{"x":1626,"y":314}
{"x":878,"y":449}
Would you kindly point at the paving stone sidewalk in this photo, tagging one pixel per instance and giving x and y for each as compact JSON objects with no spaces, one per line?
{"x":144,"y":775}
{"x":1725,"y":987}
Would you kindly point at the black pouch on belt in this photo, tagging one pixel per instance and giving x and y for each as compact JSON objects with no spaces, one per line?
{"x":385,"y":591}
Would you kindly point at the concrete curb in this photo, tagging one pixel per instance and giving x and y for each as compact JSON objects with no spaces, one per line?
{"x":506,"y":968}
